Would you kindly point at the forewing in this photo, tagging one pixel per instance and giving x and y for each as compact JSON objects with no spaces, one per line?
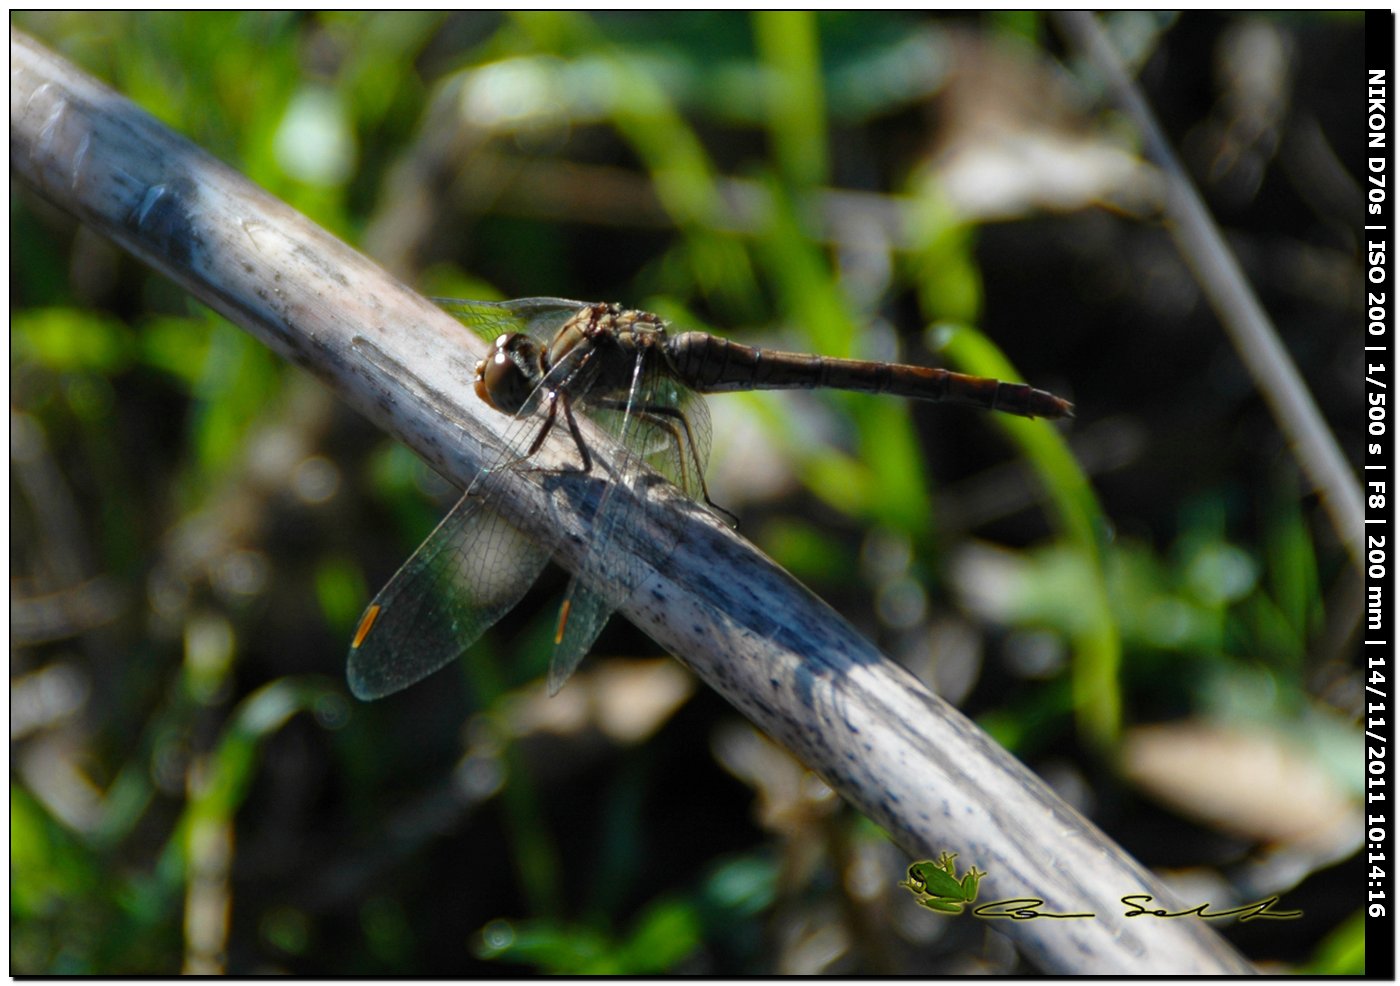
{"x":476,"y":565}
{"x":539,"y":317}
{"x":657,"y":421}
{"x":469,"y":573}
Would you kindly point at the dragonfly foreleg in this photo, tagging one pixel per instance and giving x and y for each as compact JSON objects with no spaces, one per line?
{"x":578,"y":437}
{"x":554,"y":400}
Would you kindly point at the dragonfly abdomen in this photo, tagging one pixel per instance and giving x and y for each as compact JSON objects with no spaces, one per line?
{"x":710,"y":364}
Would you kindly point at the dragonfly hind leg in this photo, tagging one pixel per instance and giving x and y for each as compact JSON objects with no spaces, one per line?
{"x":666,"y":417}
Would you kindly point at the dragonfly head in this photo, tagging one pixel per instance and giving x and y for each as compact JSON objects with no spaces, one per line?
{"x":508,"y":378}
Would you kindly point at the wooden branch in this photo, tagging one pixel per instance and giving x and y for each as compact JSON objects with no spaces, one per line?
{"x":787,"y":661}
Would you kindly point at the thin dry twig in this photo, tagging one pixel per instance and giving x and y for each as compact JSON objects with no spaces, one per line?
{"x":776,"y":652}
{"x":1218,"y":272}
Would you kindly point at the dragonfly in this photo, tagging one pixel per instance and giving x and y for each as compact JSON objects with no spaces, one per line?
{"x":551,"y":360}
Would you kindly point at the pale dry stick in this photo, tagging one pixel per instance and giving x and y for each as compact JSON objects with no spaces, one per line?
{"x":894,"y":750}
{"x":1218,"y":272}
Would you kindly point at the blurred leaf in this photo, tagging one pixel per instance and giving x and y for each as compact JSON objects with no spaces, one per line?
{"x":663,"y":935}
{"x":789,"y":49}
{"x":1028,"y":722}
{"x":67,"y":340}
{"x":233,"y":762}
{"x":743,"y":886}
{"x":943,"y":267}
{"x":178,"y":346}
{"x":1292,"y":563}
{"x":341,"y":591}
{"x":1342,"y":953}
{"x":803,"y":548}
{"x":47,"y":866}
{"x":1098,"y":648}
{"x":667,"y":933}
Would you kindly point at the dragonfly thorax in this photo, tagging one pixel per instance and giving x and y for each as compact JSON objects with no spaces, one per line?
{"x":599,"y":345}
{"x":508,"y":378}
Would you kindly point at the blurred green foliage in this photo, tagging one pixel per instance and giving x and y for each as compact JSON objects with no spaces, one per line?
{"x":207,"y":802}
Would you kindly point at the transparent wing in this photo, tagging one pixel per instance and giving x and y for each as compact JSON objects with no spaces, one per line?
{"x":539,"y":317}
{"x":582,"y":617}
{"x":672,"y":431}
{"x":662,"y":422}
{"x":658,"y":421}
{"x":469,"y":573}
{"x":475,"y":566}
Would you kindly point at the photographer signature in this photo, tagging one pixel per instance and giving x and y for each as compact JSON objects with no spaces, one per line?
{"x":936,"y":886}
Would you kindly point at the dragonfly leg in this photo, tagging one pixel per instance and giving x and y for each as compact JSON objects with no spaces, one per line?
{"x":578,"y":437}
{"x":545,"y":429}
{"x":664,"y":416}
{"x":676,"y":415}
{"x":555,"y":399}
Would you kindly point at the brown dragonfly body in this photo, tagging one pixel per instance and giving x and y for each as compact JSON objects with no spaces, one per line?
{"x":551,"y":356}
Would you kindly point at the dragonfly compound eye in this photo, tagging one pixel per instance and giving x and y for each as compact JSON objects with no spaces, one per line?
{"x":509,"y":375}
